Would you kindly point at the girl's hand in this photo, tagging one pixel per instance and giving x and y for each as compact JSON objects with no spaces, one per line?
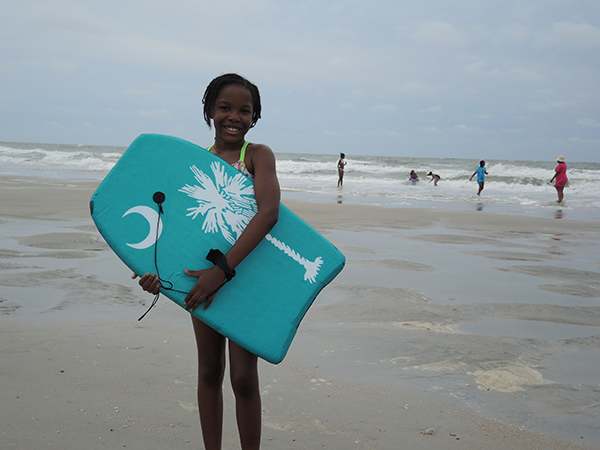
{"x":204,"y":291}
{"x":149,"y":282}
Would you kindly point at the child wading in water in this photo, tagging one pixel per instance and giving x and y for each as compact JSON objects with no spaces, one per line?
{"x":481,"y":173}
{"x":232,"y":104}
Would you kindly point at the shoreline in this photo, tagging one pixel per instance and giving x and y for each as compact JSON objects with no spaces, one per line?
{"x":390,"y":353}
{"x":552,"y":210}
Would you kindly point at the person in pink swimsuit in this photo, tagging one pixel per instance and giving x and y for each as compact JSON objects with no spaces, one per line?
{"x":560,"y":175}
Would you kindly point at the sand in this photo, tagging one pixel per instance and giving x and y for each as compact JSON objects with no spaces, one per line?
{"x":447,"y":329}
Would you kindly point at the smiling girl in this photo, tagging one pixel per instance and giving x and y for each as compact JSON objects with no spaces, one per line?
{"x":231,"y":106}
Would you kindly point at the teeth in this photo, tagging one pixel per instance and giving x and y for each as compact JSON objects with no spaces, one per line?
{"x":232,"y":129}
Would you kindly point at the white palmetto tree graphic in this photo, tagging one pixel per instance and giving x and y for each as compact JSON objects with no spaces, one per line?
{"x":228,"y":205}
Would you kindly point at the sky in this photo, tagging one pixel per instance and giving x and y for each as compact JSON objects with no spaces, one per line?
{"x":511,"y":79}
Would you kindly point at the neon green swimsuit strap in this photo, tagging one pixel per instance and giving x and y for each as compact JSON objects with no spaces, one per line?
{"x":242,"y":152}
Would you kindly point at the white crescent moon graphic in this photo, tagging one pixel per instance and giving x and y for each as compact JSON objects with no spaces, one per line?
{"x":153,"y":220}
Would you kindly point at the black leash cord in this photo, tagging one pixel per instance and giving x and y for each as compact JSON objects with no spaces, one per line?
{"x":159,"y":198}
{"x":214,"y":255}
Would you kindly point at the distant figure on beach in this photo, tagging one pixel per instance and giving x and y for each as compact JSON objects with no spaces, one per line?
{"x":231,"y":106}
{"x":481,"y":173}
{"x":340,"y":166}
{"x":413,"y":176}
{"x":561,"y":177}
{"x":434,"y":177}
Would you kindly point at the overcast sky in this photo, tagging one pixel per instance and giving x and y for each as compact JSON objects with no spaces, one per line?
{"x":510,"y":79}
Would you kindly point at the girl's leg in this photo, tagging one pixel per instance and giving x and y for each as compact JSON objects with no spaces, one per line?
{"x":211,"y":369}
{"x":559,"y":191}
{"x":244,"y":380}
{"x":480,"y":188}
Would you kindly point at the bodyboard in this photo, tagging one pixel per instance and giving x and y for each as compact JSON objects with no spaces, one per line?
{"x":206,"y":204}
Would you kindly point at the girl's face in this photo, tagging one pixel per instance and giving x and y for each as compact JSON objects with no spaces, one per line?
{"x":232,"y":113}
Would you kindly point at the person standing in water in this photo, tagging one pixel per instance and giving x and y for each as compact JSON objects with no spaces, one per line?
{"x":481,"y":173}
{"x":560,"y":174}
{"x":340,"y":167}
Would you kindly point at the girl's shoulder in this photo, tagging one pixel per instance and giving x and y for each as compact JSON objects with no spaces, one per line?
{"x":258,"y":151}
{"x":256,"y":147}
{"x":258,"y":155}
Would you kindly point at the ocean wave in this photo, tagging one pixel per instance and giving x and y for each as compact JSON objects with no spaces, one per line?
{"x":41,"y":157}
{"x":508,"y":182}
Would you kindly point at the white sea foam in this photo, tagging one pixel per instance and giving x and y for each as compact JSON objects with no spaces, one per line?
{"x":54,"y":157}
{"x":373,"y":177}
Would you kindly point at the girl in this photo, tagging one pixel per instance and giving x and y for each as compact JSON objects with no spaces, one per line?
{"x":232,"y":104}
{"x":561,"y":177}
{"x":341,"y":165}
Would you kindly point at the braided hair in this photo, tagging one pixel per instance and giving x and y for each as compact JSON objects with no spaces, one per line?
{"x":214,"y":88}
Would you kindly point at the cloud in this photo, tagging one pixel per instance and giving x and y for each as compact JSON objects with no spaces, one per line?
{"x":462,"y":128}
{"x":430,"y":130}
{"x":156,"y":114}
{"x":582,"y":34}
{"x":138,"y":92}
{"x":468,"y":130}
{"x":549,"y":106}
{"x":515,"y":33}
{"x":589,"y":123}
{"x":479,"y":69}
{"x":419,"y":88}
{"x":433,"y":109}
{"x":40,"y":66}
{"x":383,"y":108}
{"x":51,"y":124}
{"x":438,"y":33}
{"x":577,"y":140}
{"x":63,"y":67}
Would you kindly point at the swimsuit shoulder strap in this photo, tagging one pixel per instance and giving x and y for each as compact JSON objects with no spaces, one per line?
{"x":242,"y":152}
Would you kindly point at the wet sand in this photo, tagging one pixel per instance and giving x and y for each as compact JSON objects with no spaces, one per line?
{"x":447,"y":329}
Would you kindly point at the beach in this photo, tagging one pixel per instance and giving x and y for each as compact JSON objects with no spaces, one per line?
{"x":448,"y":328}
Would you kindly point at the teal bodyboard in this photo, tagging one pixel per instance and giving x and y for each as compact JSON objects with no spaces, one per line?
{"x":207,"y":204}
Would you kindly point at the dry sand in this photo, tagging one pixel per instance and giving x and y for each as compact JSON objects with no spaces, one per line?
{"x":406,"y":349}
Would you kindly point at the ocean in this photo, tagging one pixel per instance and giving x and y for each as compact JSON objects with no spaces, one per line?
{"x":514,"y":186}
